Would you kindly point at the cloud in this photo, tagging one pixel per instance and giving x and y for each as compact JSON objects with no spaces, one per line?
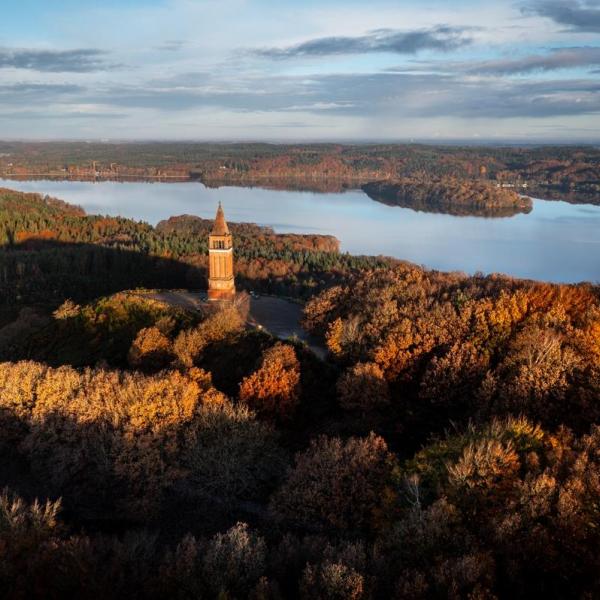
{"x":46,"y":115}
{"x":559,"y":58}
{"x":40,"y":88}
{"x":433,"y":95}
{"x":442,"y":38}
{"x":334,"y":102}
{"x":577,"y":15}
{"x":83,"y":60}
{"x":37,"y":93}
{"x":171,"y":45}
{"x":370,"y":95}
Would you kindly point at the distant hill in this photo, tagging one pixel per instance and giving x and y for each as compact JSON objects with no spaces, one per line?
{"x":553,"y":171}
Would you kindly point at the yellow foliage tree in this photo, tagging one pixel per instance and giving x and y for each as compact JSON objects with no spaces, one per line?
{"x":151,"y":350}
{"x":190,"y":343}
{"x":100,"y":436}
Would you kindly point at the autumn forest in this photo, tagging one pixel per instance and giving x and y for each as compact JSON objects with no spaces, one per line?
{"x":447,"y":445}
{"x":300,"y":300}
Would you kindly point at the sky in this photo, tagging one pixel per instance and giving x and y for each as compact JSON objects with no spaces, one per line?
{"x":301,"y":70}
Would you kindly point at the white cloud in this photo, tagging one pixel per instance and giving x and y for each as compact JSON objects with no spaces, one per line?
{"x":186,"y":72}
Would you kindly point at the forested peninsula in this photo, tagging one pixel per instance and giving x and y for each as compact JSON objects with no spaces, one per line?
{"x":450,"y":196}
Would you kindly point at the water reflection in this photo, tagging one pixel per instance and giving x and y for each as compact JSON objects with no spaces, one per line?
{"x":557,"y":241}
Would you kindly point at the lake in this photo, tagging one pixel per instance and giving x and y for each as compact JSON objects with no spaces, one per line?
{"x":557,"y":241}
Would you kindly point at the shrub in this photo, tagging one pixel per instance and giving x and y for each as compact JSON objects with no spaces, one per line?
{"x":190,"y":343}
{"x":234,"y":561}
{"x":331,"y":581}
{"x":26,"y":533}
{"x":229,"y":455}
{"x":151,"y":350}
{"x":536,"y":375}
{"x":450,"y":379}
{"x":362,"y":387}
{"x":274,"y":389}
{"x":336,"y":484}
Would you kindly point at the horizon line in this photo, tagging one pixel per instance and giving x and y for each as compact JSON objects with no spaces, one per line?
{"x":331,"y":141}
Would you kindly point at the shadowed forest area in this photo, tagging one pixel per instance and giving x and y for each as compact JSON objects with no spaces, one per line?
{"x":448,"y":446}
{"x":52,"y":251}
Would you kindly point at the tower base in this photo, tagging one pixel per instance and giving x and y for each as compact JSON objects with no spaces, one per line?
{"x":221,"y":295}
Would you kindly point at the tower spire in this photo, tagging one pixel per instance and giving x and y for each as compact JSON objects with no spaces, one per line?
{"x":220,"y":225}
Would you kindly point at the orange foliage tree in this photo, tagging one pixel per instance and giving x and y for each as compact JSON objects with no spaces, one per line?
{"x":454,"y":345}
{"x":274,"y":389}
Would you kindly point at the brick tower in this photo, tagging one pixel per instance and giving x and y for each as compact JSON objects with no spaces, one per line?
{"x":221,"y":285}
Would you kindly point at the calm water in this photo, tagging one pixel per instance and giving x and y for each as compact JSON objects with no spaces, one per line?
{"x":557,"y":241}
